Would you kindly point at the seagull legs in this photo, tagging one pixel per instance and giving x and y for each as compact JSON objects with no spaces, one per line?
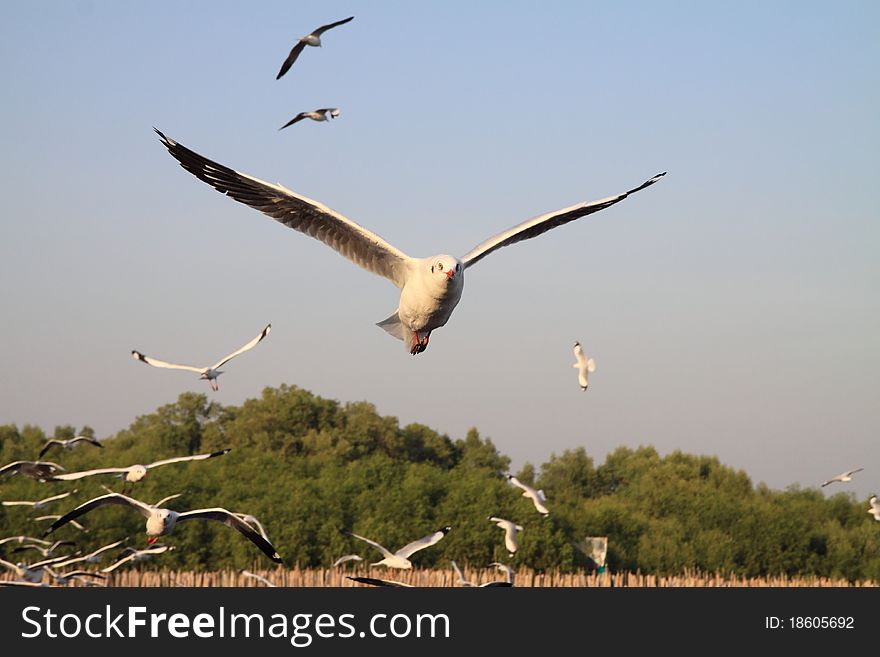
{"x":418,"y":346}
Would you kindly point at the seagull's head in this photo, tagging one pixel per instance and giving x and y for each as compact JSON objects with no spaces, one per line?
{"x":136,"y":473}
{"x":447,"y":270}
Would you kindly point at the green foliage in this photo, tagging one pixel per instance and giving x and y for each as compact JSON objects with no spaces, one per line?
{"x":309,"y":468}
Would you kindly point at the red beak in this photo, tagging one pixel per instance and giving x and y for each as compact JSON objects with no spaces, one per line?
{"x":449,"y":274}
{"x":152,"y":540}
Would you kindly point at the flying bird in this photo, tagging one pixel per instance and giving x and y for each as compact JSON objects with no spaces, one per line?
{"x":21,"y":539}
{"x":39,"y":470}
{"x":30,"y":572}
{"x":874,"y":510}
{"x":161,"y":522}
{"x":312,"y":39}
{"x":346,"y":559}
{"x":130,"y":555}
{"x":461,"y":579}
{"x":92,"y":557}
{"x":584,"y":366}
{"x":68,"y":443}
{"x":55,"y":517}
{"x":259,"y":578}
{"x":317,"y":115}
{"x":210,"y":373}
{"x":507,"y":570}
{"x":134,"y":473}
{"x":843,"y":476}
{"x":38,"y":504}
{"x":430,"y":288}
{"x":537,"y":496}
{"x":510,"y":531}
{"x":46,"y":552}
{"x":400,"y":559}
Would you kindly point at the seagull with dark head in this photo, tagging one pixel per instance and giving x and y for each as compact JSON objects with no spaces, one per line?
{"x":316,"y":115}
{"x":313,"y":38}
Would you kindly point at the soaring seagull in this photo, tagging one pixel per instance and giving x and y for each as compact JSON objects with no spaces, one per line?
{"x":161,"y":522}
{"x":39,"y":470}
{"x":585,"y":366}
{"x":510,"y":532}
{"x":68,"y":443}
{"x":311,"y":39}
{"x":210,"y":373}
{"x":430,"y":288}
{"x":400,"y":559}
{"x":46,"y":552}
{"x":134,"y":473}
{"x":316,"y":115}
{"x":843,"y":476}
{"x":38,"y":504}
{"x":130,"y":555}
{"x":874,"y":509}
{"x":537,"y":496}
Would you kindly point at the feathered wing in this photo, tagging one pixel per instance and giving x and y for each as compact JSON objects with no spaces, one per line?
{"x":259,"y":578}
{"x":181,"y":459}
{"x":291,"y":58}
{"x":295,"y":119}
{"x":232,"y":520}
{"x":539,"y":225}
{"x":70,"y":476}
{"x":422,"y":543}
{"x":330,"y":26}
{"x":49,"y":444}
{"x":350,"y":240}
{"x":167,"y":498}
{"x":155,"y":362}
{"x":579,"y":355}
{"x":85,"y":507}
{"x":249,"y":345}
{"x":85,"y":439}
{"x":385,"y":553}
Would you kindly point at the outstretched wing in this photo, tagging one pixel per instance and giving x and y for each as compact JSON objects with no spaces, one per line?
{"x":49,"y":444}
{"x":362,"y":247}
{"x":155,"y":362}
{"x":539,"y":225}
{"x":422,"y":543}
{"x":298,"y":117}
{"x":330,"y":26}
{"x":375,"y":581}
{"x":291,"y":58}
{"x":88,"y":473}
{"x":249,"y":345}
{"x":180,"y":459}
{"x":385,"y":553}
{"x":85,"y":507}
{"x":232,"y":520}
{"x":85,"y":439}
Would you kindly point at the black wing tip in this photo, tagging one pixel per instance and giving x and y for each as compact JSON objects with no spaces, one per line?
{"x":220,"y":452}
{"x":445,"y":530}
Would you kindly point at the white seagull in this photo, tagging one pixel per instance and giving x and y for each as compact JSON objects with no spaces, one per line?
{"x":134,"y":473}
{"x":92,"y":557}
{"x":430,"y":288}
{"x":39,"y":470}
{"x":537,"y":496}
{"x":400,"y":559}
{"x":259,"y":578}
{"x":461,"y":580}
{"x":316,"y":115}
{"x":56,"y":517}
{"x":843,"y":476}
{"x":507,"y":570}
{"x":45,"y":552}
{"x":38,"y":504}
{"x":161,"y":522}
{"x":68,"y":443}
{"x":311,"y":39}
{"x":209,"y":373}
{"x":874,"y":510}
{"x":135,"y":556}
{"x":22,"y":539}
{"x":510,"y":530}
{"x":346,"y":558}
{"x":30,"y":572}
{"x":583,"y":365}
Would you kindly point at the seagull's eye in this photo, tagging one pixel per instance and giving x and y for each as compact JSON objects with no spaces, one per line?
{"x":457,"y":267}
{"x":440,"y":266}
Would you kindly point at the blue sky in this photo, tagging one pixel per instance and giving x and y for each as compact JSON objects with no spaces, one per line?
{"x":732,"y":308}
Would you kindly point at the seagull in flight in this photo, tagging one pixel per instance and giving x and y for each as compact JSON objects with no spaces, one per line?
{"x":92,"y":557}
{"x":311,"y":39}
{"x":400,"y":559}
{"x":510,"y":531}
{"x":316,"y":115}
{"x":507,"y":570}
{"x":39,"y":470}
{"x":430,"y":288}
{"x":68,"y":443}
{"x":875,"y":507}
{"x":46,"y":552}
{"x":346,"y":558}
{"x":55,"y":517}
{"x":259,"y":578}
{"x":210,"y":373}
{"x":134,"y":473}
{"x":30,"y":572}
{"x":38,"y":504}
{"x":21,"y":539}
{"x":843,"y":476}
{"x":584,"y":366}
{"x":537,"y":496}
{"x":130,"y":555}
{"x":161,"y":522}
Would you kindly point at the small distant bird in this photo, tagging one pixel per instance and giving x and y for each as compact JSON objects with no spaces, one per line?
{"x":430,"y":288}
{"x":39,"y":470}
{"x":38,"y":504}
{"x":134,"y":473}
{"x":375,"y":581}
{"x":209,"y":373}
{"x":400,"y":559}
{"x":510,"y":530}
{"x":875,"y":507}
{"x":130,"y":555}
{"x":507,"y":570}
{"x":583,"y":365}
{"x":92,"y":557}
{"x":63,"y":579}
{"x":317,"y":115}
{"x":259,"y":578}
{"x":30,"y":572}
{"x":843,"y":476}
{"x":312,"y":39}
{"x":346,"y":559}
{"x":161,"y":522}
{"x":461,"y":579}
{"x":22,"y":539}
{"x":46,"y":552}
{"x":68,"y":443}
{"x":537,"y":496}
{"x":55,"y":517}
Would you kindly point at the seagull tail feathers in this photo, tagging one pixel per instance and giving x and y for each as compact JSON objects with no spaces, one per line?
{"x":394,"y":326}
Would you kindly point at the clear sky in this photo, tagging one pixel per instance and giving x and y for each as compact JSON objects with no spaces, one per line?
{"x":732,"y":309}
